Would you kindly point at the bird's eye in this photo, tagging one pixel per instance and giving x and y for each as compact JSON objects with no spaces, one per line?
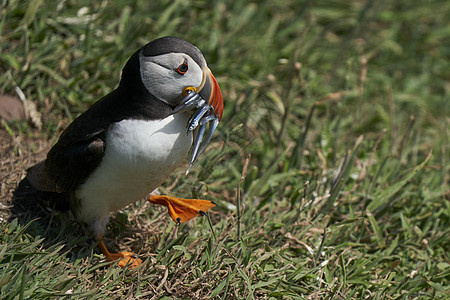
{"x":183,"y":68}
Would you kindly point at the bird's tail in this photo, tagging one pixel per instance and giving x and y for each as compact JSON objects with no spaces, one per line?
{"x":27,"y":194}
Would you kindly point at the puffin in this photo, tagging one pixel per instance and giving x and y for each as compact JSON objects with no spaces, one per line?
{"x":123,"y":147}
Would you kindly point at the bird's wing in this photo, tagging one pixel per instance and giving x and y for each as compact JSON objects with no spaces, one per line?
{"x":68,"y":164}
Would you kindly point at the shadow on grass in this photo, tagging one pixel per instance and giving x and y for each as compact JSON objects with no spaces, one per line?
{"x":47,"y":215}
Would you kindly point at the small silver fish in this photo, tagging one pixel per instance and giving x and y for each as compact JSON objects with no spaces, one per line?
{"x":204,"y":118}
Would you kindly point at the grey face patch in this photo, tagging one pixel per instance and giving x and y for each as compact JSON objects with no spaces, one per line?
{"x":160,"y":78}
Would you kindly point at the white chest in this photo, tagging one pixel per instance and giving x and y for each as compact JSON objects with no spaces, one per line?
{"x":139,"y":156}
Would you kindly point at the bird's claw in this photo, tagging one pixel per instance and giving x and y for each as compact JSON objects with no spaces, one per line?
{"x":204,"y":118}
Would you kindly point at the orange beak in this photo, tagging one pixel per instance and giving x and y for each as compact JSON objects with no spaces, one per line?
{"x":211,"y":92}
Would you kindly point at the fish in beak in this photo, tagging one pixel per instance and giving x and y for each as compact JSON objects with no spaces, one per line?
{"x":207,"y":103}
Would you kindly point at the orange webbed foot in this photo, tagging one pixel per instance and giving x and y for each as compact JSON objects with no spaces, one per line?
{"x":126,"y":259}
{"x":182,"y":210}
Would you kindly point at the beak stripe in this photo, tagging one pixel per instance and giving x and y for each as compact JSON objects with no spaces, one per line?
{"x":216,"y":99}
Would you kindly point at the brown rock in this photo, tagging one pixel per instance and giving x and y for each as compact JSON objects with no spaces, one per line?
{"x":11,"y":108}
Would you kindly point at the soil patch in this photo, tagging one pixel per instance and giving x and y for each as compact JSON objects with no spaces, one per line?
{"x":17,"y":154}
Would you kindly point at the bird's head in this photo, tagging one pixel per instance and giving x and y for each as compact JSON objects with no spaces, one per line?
{"x":169,"y":67}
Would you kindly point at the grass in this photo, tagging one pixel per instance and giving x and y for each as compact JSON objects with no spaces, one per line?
{"x":342,"y":107}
